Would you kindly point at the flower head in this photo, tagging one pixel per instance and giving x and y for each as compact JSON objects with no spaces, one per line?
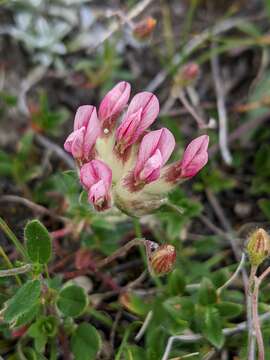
{"x":125,"y":165}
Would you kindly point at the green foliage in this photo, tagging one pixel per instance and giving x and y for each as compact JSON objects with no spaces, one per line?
{"x":207,"y":293}
{"x":176,"y":282}
{"x":104,"y":68}
{"x":45,"y":327}
{"x":72,"y":300}
{"x":85,"y":340}
{"x":214,"y":179}
{"x":228,"y":309}
{"x":22,"y":165}
{"x":29,"y":315}
{"x":174,"y":220}
{"x":38,"y":242}
{"x":212,"y":327}
{"x":44,"y":119}
{"x":26,"y":297}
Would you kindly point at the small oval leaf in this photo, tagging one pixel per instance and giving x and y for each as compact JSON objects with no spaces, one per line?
{"x":85,"y":340}
{"x":38,"y":242}
{"x":25,"y":298}
{"x":72,"y":300}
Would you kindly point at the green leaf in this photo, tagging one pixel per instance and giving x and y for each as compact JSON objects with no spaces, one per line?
{"x":6,"y":164}
{"x":155,"y":342}
{"x":45,"y":326}
{"x":207,"y":293}
{"x":180,"y":308}
{"x":28,"y":316}
{"x":228,"y":309}
{"x":267,"y":6}
{"x":25,"y":298}
{"x":176,"y":283}
{"x":212,"y":327}
{"x":72,"y":300}
{"x":85,"y":342}
{"x":133,"y":352}
{"x":38,"y":242}
{"x":31,"y":354}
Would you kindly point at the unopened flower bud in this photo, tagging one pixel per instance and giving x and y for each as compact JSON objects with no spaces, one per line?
{"x":144,"y":28}
{"x":190,"y":71}
{"x":162,"y":259}
{"x":258,"y":246}
{"x":195,"y":157}
{"x":187,"y":75}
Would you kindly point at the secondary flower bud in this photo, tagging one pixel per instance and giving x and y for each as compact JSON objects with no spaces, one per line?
{"x":258,"y":246}
{"x":194,"y":159}
{"x":187,"y":75}
{"x":162,"y":260}
{"x":190,"y":71}
{"x":144,"y":28}
{"x":113,"y":104}
{"x":96,"y":177}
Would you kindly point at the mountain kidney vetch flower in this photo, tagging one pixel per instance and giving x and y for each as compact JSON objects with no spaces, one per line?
{"x":120,"y":161}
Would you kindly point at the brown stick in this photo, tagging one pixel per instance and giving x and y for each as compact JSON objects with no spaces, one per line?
{"x":120,"y":252}
{"x":256,"y":319}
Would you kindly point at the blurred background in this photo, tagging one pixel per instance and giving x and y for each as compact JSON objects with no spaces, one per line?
{"x":208,"y":63}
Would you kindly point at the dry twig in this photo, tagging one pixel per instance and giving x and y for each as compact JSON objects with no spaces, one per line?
{"x":222,"y":112}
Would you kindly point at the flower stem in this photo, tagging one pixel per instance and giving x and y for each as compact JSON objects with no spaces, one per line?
{"x":138,"y":234}
{"x":15,"y":271}
{"x":256,"y":320}
{"x":234,"y":275}
{"x":9,"y":264}
{"x":256,"y":281}
{"x":10,"y":234}
{"x":120,"y":252}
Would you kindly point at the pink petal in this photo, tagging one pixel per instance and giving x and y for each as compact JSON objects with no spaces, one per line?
{"x":94,"y":171}
{"x":151,"y":169}
{"x":97,"y":192}
{"x":149,"y":104}
{"x":166,"y":144}
{"x":88,"y":177}
{"x":114,"y":101}
{"x":159,"y":139}
{"x":128,"y":127}
{"x":74,"y":143}
{"x":93,"y":131}
{"x":195,"y":156}
{"x":83,"y":114}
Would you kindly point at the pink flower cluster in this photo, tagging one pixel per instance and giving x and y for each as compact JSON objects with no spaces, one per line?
{"x":123,"y":163}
